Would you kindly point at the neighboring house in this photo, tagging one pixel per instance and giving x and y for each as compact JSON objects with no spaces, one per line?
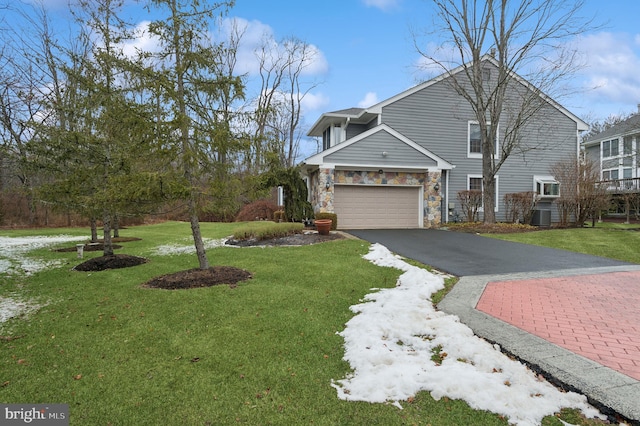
{"x":402,"y":162}
{"x":615,"y":150}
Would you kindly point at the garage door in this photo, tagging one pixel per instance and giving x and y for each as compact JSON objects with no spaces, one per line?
{"x":367,"y":207}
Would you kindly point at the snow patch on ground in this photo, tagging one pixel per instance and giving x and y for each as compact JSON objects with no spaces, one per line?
{"x":13,"y":251}
{"x":391,"y":340}
{"x":14,"y":261}
{"x":173,"y":249}
{"x":11,"y":307}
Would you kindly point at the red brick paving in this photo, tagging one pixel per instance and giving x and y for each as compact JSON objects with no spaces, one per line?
{"x":596,"y":316}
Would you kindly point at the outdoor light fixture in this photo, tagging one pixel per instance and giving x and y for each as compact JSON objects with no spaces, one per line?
{"x":436,"y":187}
{"x":380,"y":171}
{"x":384,"y":153}
{"x":327,"y":185}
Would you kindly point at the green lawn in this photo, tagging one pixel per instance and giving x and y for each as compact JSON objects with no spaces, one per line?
{"x":612,"y":240}
{"x":262,"y":353}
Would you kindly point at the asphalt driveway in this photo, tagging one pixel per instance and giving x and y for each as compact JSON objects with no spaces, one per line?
{"x":464,"y":254}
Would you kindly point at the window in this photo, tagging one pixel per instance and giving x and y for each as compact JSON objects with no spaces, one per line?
{"x":610,"y":174}
{"x":332,"y":136}
{"x":610,"y":148}
{"x":546,"y":186}
{"x":475,"y":141}
{"x":627,"y":173}
{"x":474,"y":183}
{"x":627,"y":146}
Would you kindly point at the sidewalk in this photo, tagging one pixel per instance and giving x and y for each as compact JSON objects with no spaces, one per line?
{"x":579,"y":327}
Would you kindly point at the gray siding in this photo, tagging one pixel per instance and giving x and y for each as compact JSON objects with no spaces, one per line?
{"x":437,"y":119}
{"x":592,"y":153}
{"x":354,"y":129}
{"x":369,"y":151}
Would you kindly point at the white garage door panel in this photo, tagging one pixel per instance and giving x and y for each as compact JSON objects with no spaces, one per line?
{"x":361,"y":207}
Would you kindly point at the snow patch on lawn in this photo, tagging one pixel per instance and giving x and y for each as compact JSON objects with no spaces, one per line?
{"x":396,"y":332}
{"x":11,"y":307}
{"x":14,"y":261}
{"x":173,"y":249}
{"x":13,"y":251}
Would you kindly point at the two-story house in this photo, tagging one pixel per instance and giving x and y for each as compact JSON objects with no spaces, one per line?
{"x":402,"y":162}
{"x":615,"y":150}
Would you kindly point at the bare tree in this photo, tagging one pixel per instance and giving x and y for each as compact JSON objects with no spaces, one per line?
{"x":582,"y":194}
{"x":278,"y":115}
{"x":508,"y":38}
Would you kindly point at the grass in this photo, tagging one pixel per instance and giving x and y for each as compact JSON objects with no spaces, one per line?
{"x":612,"y":240}
{"x":262,"y":353}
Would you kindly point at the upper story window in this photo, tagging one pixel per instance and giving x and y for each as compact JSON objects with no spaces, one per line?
{"x":610,"y":148}
{"x":627,"y":146}
{"x":332,"y":136}
{"x":475,"y":142}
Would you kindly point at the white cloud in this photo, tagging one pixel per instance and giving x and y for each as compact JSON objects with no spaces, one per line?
{"x":371,"y":98}
{"x":383,"y":5}
{"x":613,"y":61}
{"x":255,"y":35}
{"x":144,"y":42}
{"x":314,"y":102}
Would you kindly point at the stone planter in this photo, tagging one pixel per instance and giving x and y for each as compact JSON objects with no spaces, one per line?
{"x":323,"y":226}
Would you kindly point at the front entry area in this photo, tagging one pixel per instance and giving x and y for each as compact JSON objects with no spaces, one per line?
{"x":378,"y":207}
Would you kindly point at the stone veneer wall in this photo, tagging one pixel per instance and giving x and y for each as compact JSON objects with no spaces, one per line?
{"x":322,"y":198}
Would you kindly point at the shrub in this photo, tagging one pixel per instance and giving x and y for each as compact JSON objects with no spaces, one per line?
{"x":258,"y":210}
{"x":266,"y":230}
{"x":332,"y":216}
{"x":470,"y":202}
{"x":520,"y":206}
{"x":279,"y":216}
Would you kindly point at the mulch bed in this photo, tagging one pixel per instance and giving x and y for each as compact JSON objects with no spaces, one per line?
{"x":115,"y":261}
{"x":198,"y":278}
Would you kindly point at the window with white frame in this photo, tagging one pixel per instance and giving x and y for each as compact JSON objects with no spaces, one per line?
{"x":612,"y":174}
{"x":610,"y":148}
{"x":474,"y":145}
{"x":546,"y":186}
{"x":474,"y":183}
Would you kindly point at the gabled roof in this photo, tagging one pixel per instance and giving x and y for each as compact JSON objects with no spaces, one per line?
{"x":319,"y":159}
{"x":364,"y":115}
{"x":351,"y":115}
{"x":630,"y":125}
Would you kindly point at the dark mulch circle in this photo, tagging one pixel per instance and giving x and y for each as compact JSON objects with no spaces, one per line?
{"x":88,"y":247}
{"x":115,"y":261}
{"x":197,"y":278}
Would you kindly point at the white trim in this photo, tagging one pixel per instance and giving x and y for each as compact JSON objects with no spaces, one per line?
{"x":497,"y":194}
{"x":377,"y":109}
{"x":476,"y":154}
{"x":318,"y":159}
{"x":543,"y":179}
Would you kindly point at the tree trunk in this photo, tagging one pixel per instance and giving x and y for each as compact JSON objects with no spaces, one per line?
{"x":94,"y":230}
{"x":116,"y":226}
{"x":197,"y":235}
{"x":489,"y":200}
{"x":106,"y":227}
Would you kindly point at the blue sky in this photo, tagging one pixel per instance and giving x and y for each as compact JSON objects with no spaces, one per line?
{"x":365,"y":50}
